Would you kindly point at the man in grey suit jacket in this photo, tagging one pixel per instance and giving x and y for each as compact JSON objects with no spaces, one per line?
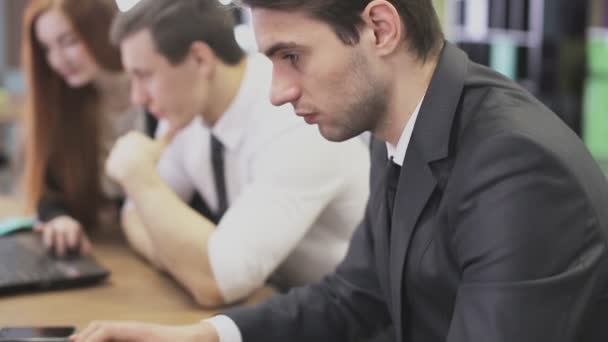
{"x":488,"y":221}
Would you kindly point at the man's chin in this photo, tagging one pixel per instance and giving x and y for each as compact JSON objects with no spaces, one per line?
{"x":178,"y":125}
{"x":334,"y":135}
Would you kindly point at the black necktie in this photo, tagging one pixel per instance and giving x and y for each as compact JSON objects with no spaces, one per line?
{"x":392,"y":181}
{"x":217,"y":161}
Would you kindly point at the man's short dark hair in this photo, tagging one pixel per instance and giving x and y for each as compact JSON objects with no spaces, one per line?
{"x":176,"y":24}
{"x":344,"y":16}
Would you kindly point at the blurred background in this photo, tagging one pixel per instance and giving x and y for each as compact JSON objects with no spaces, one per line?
{"x":557,"y":49}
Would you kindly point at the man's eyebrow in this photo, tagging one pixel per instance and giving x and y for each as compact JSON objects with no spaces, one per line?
{"x":271,"y":51}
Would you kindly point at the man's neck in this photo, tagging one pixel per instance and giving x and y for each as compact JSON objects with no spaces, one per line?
{"x":224,"y":89}
{"x":408,"y":88}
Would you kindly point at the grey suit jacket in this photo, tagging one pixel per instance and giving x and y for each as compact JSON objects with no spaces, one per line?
{"x":499,"y":231}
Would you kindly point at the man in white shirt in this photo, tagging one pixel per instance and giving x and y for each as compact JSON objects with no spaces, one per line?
{"x":281,"y":201}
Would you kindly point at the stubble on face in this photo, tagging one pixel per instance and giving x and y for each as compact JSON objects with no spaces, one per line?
{"x":364,"y":102}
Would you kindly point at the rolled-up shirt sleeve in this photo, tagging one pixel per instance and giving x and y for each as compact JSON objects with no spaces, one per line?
{"x":226,"y":329}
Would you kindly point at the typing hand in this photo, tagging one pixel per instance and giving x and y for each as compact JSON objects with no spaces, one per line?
{"x":134,"y":156}
{"x":140,"y":332}
{"x":63,"y":234}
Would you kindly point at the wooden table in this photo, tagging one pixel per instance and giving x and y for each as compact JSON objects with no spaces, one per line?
{"x":134,"y":291}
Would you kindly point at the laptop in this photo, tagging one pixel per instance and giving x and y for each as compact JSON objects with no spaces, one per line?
{"x":26,"y":265}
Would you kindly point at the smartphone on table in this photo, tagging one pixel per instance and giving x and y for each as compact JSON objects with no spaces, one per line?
{"x":36,"y":334}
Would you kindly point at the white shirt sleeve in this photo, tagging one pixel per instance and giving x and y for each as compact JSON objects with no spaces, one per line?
{"x":226,"y":329}
{"x":294,"y":179}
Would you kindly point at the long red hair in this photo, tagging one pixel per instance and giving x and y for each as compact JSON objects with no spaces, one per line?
{"x":62,"y":138}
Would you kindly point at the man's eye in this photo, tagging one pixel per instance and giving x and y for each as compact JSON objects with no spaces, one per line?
{"x":292,"y":58}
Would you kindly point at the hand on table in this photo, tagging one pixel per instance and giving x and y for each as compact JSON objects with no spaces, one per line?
{"x":63,"y":234}
{"x":140,"y":332}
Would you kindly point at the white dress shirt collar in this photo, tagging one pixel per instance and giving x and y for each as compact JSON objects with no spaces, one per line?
{"x":229,"y":129}
{"x":397,"y":153}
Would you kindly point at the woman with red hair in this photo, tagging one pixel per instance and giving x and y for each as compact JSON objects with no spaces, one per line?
{"x":77,"y":106}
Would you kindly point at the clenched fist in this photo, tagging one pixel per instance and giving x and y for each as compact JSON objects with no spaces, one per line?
{"x":134,"y":156}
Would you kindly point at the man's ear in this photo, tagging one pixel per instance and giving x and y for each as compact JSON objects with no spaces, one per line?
{"x":203,"y":57}
{"x":383,"y":22}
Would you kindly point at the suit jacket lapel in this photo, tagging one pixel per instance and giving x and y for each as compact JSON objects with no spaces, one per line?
{"x":416,"y":184}
{"x":430,"y":142}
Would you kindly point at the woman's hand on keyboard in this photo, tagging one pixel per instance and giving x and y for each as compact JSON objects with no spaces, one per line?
{"x":64,"y":234}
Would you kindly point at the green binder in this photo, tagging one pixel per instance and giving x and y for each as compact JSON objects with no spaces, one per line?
{"x":440,"y":9}
{"x":595,"y":117}
{"x":503,"y":56}
{"x":597,"y":51}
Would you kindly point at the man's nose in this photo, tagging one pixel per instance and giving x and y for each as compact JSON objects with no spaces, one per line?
{"x":284,"y":90}
{"x":138,"y":96}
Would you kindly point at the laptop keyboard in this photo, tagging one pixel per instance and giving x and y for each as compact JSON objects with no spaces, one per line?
{"x":23,"y":263}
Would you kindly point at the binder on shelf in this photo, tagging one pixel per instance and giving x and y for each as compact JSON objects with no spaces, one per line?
{"x":605,"y":12}
{"x":552,"y":30}
{"x":477,"y":52}
{"x":461,"y":11}
{"x":597,"y":51}
{"x":595,"y":117}
{"x":498,"y":14}
{"x":476,"y":25}
{"x":518,"y":14}
{"x":596,"y":13}
{"x":523,"y":64}
{"x":440,"y":9}
{"x":503,"y":56}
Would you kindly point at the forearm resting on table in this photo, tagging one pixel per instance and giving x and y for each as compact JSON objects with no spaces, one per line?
{"x":178,"y":238}
{"x":138,"y":236}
